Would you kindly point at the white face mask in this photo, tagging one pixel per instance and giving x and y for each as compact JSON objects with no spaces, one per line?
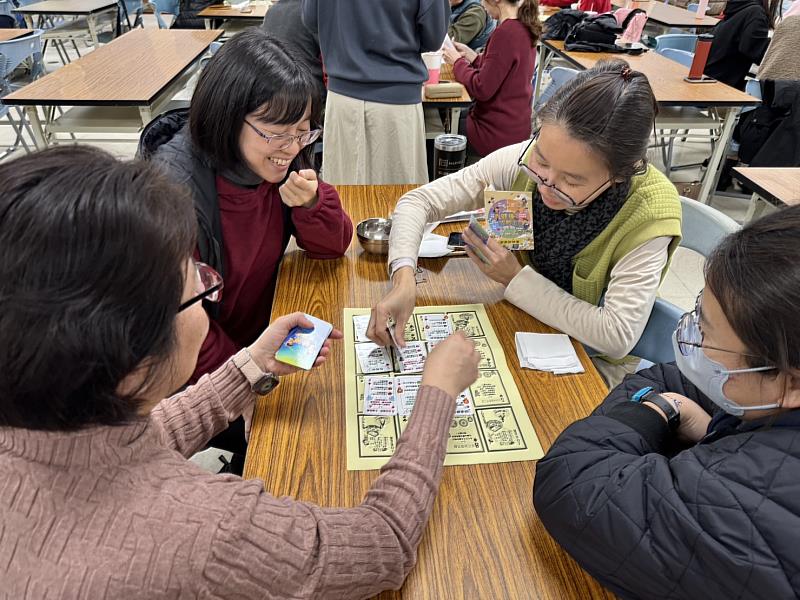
{"x":710,"y":376}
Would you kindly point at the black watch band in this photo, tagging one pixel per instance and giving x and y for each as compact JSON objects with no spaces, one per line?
{"x":651,"y":396}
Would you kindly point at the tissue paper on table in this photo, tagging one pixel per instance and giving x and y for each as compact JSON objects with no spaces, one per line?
{"x":547,"y":352}
{"x":433,"y":246}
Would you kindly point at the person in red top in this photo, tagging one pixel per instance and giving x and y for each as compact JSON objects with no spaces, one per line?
{"x":499,"y":79}
{"x":245,"y":150}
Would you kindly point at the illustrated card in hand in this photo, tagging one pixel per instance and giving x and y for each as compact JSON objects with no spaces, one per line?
{"x":410,"y":359}
{"x":373,"y":358}
{"x":301,"y":347}
{"x":479,"y":231}
{"x":509,"y":218}
{"x":379,"y":396}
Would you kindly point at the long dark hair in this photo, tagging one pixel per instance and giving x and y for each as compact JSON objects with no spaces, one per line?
{"x":528,"y":15}
{"x":755,"y":275}
{"x":91,"y":277}
{"x":253,"y":71}
{"x":612,"y":109}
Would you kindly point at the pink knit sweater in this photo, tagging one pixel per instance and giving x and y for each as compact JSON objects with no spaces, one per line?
{"x":118,"y":512}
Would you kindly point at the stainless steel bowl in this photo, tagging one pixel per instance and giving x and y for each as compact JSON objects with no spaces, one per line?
{"x":373,"y":234}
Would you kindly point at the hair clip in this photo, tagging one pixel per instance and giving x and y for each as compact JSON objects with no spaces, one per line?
{"x":626,"y":74}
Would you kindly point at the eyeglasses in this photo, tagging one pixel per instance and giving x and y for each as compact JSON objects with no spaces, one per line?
{"x":284,"y":140}
{"x":209,"y":286}
{"x":689,"y":334}
{"x":539,"y":180}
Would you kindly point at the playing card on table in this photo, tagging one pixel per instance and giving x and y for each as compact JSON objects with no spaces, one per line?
{"x":360,"y":323}
{"x":436,"y":328}
{"x":464,"y":404}
{"x":373,"y":358}
{"x":410,"y":359}
{"x":379,"y":396}
{"x":405,"y":392}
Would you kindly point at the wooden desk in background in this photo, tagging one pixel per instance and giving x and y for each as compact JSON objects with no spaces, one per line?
{"x":459,"y":102}
{"x":668,"y":15}
{"x":667,"y":80}
{"x":227,"y":13}
{"x":90,"y":9}
{"x":6,"y":35}
{"x":780,"y":186}
{"x":118,"y":87}
{"x":484,"y":539}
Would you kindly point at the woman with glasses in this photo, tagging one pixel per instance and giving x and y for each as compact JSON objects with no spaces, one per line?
{"x":684,"y":482}
{"x":245,"y":150}
{"x":101,"y":318}
{"x":604,"y":221}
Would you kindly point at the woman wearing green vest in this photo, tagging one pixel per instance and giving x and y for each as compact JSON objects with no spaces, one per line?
{"x":605,"y":222}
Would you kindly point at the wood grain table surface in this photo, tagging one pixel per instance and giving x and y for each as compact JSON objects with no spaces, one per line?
{"x":446,"y":74}
{"x":666,"y":14}
{"x":219,"y":11}
{"x":484,"y":539}
{"x":666,"y":78}
{"x":66,"y":7}
{"x":778,"y":185}
{"x":12,"y":34}
{"x":129,"y":71}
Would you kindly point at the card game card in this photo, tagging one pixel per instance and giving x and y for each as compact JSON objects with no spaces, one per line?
{"x":373,"y":358}
{"x":405,"y":392}
{"x":410,"y":359}
{"x":479,"y":231}
{"x":464,"y":403}
{"x":435,"y":328}
{"x":379,"y":396}
{"x":301,"y":347}
{"x":360,"y":324}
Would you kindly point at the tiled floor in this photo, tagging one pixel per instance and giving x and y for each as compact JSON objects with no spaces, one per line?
{"x":680,"y":287}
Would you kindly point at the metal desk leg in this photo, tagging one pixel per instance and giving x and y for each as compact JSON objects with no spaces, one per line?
{"x":712,"y":173}
{"x":752,"y":209}
{"x":543,"y":57}
{"x":146,"y":113}
{"x":39,"y":137}
{"x":28,"y":21}
{"x":207,"y":23}
{"x":91,"y":20}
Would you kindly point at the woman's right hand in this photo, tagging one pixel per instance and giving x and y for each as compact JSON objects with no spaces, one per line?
{"x":452,"y":366}
{"x":398,"y":304}
{"x":468,"y":53}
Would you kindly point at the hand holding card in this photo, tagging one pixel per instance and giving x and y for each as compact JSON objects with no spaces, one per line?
{"x":295,"y":341}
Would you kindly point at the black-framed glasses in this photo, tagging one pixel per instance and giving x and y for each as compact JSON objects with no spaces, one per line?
{"x":209,"y":285}
{"x":284,"y":140}
{"x":689,"y":334}
{"x":539,"y":180}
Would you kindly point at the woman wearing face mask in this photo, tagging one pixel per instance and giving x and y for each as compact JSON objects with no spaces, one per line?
{"x":604,"y":222}
{"x":101,"y":318}
{"x":683,"y":483}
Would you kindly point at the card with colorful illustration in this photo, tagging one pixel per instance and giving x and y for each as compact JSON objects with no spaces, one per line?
{"x":479,"y":231}
{"x":301,"y":347}
{"x":509,"y":217}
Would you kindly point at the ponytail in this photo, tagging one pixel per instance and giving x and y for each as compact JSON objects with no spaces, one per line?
{"x":528,"y":15}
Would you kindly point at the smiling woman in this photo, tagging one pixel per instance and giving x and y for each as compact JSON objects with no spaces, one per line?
{"x":245,"y":150}
{"x":604,"y":222}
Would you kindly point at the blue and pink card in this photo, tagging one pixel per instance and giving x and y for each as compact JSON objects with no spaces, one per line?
{"x":301,"y":347}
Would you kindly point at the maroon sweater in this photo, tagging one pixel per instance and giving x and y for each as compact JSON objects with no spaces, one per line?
{"x":256,"y":235}
{"x":500,"y":82}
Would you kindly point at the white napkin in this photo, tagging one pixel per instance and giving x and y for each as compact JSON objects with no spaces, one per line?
{"x":547,"y":352}
{"x":433,"y":246}
{"x":240,"y":5}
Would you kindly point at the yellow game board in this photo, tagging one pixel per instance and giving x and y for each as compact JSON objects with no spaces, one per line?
{"x":491,"y":424}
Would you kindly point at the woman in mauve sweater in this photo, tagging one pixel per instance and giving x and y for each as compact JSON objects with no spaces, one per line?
{"x":499,"y":79}
{"x":101,"y":318}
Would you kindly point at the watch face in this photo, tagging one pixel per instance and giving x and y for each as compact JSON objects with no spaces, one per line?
{"x":265,"y":384}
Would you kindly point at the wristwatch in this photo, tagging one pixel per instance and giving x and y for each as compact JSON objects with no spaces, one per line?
{"x":648,"y":394}
{"x":261,"y":382}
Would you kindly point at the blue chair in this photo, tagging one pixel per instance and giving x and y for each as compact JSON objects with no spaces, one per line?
{"x":678,"y":41}
{"x":12,"y":54}
{"x":702,"y":228}
{"x":692,"y":7}
{"x":680,"y":56}
{"x":558,"y":77}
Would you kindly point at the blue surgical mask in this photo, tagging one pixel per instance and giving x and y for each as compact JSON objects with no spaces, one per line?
{"x":710,"y":376}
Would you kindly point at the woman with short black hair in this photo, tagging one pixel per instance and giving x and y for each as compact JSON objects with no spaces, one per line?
{"x":245,"y":149}
{"x":683,"y":483}
{"x":100,"y":318}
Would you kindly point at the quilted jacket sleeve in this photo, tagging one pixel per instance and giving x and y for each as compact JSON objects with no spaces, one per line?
{"x":650,"y":525}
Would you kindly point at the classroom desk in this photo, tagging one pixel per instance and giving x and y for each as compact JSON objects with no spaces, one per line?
{"x":118,"y":87}
{"x":780,"y":186}
{"x":6,"y":35}
{"x":90,"y":9}
{"x":484,"y":539}
{"x":226,"y":13}
{"x":668,"y":15}
{"x":451,"y":104}
{"x":667,"y":80}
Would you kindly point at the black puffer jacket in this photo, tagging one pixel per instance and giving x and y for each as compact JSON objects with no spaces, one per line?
{"x":720,"y":519}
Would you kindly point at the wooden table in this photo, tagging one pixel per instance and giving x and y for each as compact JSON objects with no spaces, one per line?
{"x":780,"y":186}
{"x":226,"y":13}
{"x":140,"y":71}
{"x":452,"y":104}
{"x":484,"y":539}
{"x":667,"y":80}
{"x":6,"y":35}
{"x":668,"y":15}
{"x":91,"y":9}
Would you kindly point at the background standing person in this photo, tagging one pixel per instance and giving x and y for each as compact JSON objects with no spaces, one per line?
{"x":374,"y":125}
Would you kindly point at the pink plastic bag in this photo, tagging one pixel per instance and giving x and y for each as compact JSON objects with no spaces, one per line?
{"x":598,"y":6}
{"x":633,"y":33}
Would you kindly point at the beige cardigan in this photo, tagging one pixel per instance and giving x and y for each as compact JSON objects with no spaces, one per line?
{"x":781,"y":60}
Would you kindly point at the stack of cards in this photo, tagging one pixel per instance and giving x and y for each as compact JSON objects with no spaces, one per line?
{"x":547,"y":352}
